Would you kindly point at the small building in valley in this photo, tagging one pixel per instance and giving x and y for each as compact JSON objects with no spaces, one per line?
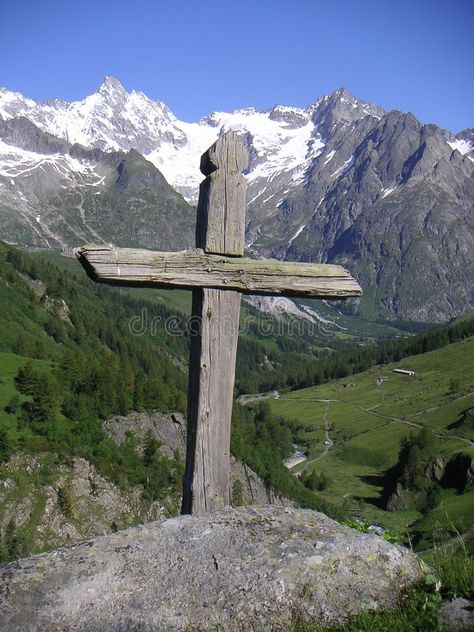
{"x":404,"y":371}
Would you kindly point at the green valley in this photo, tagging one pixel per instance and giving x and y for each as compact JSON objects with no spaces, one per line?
{"x":380,"y":448}
{"x":353,"y":430}
{"x":69,"y":361}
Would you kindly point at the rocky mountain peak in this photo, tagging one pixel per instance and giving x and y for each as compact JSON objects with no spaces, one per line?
{"x":111,"y":89}
{"x":342,"y":94}
{"x":114,"y":94}
{"x":339,"y":109}
{"x":13,"y":104}
{"x":327,"y":181}
{"x":111,"y":84}
{"x":467,"y":134}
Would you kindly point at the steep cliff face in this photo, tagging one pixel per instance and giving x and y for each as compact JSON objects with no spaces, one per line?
{"x":170,"y":431}
{"x":398,"y":214}
{"x":49,"y":502}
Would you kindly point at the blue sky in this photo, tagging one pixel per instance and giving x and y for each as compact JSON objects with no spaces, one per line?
{"x":197,"y":56}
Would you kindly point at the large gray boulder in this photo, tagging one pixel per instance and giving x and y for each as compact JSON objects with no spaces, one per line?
{"x":245,"y":568}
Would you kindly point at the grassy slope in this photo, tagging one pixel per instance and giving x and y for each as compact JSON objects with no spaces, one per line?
{"x":175,"y":299}
{"x":367,"y":421}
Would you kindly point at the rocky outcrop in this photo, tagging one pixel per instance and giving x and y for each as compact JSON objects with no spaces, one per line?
{"x":457,"y":614}
{"x":240,"y":569}
{"x":60,"y":501}
{"x":247,"y":488}
{"x":53,"y":501}
{"x":169,"y":429}
{"x":454,"y":472}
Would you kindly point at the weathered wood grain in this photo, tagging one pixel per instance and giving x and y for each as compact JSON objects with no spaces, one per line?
{"x":214,"y":335}
{"x":194,"y":268}
{"x":220,"y":229}
{"x":221,"y":208}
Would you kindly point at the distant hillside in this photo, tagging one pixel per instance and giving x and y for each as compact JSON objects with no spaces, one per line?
{"x":394,"y":449}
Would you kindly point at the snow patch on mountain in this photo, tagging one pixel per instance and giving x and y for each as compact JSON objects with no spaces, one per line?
{"x":317,"y":317}
{"x":344,"y":168}
{"x":284,"y":309}
{"x":283,"y":139}
{"x":15,"y":163}
{"x":303,"y":226}
{"x":180,"y":164}
{"x":279,"y":307}
{"x":463,"y":146}
{"x":330,"y":156}
{"x":298,"y":232}
{"x":277,"y":148}
{"x":387,"y":191}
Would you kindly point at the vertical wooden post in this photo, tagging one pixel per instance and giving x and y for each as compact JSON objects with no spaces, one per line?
{"x":220,"y":229}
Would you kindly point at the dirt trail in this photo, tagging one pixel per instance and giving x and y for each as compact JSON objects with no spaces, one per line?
{"x":443,"y":435}
{"x":328,"y":442}
{"x":398,"y":420}
{"x":433,"y":408}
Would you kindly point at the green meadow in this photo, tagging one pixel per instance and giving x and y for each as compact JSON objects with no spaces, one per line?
{"x":368,"y":415}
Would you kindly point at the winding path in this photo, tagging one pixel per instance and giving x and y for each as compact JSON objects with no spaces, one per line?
{"x":328,"y":442}
{"x":391,"y":420}
{"x":443,"y":435}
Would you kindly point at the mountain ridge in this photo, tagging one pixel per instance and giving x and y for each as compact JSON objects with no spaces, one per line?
{"x":340,"y":180}
{"x":145,"y":125}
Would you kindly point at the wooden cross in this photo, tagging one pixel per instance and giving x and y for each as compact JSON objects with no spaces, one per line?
{"x":218,"y":274}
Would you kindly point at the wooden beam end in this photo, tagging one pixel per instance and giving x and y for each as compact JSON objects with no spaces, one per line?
{"x":83,"y":256}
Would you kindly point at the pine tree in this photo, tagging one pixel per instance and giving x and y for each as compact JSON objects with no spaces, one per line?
{"x":150,"y":449}
{"x":237,"y":494}
{"x":25,"y":378}
{"x":5,"y":448}
{"x":47,"y":399}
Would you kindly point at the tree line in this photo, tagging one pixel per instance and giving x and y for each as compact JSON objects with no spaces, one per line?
{"x":291,"y":370}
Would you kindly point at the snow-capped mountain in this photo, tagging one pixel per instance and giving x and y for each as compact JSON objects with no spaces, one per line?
{"x":339,"y":180}
{"x":57,"y":195}
{"x":283,"y":140}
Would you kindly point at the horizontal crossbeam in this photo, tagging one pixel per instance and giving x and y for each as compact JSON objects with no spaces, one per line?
{"x":193,"y":268}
